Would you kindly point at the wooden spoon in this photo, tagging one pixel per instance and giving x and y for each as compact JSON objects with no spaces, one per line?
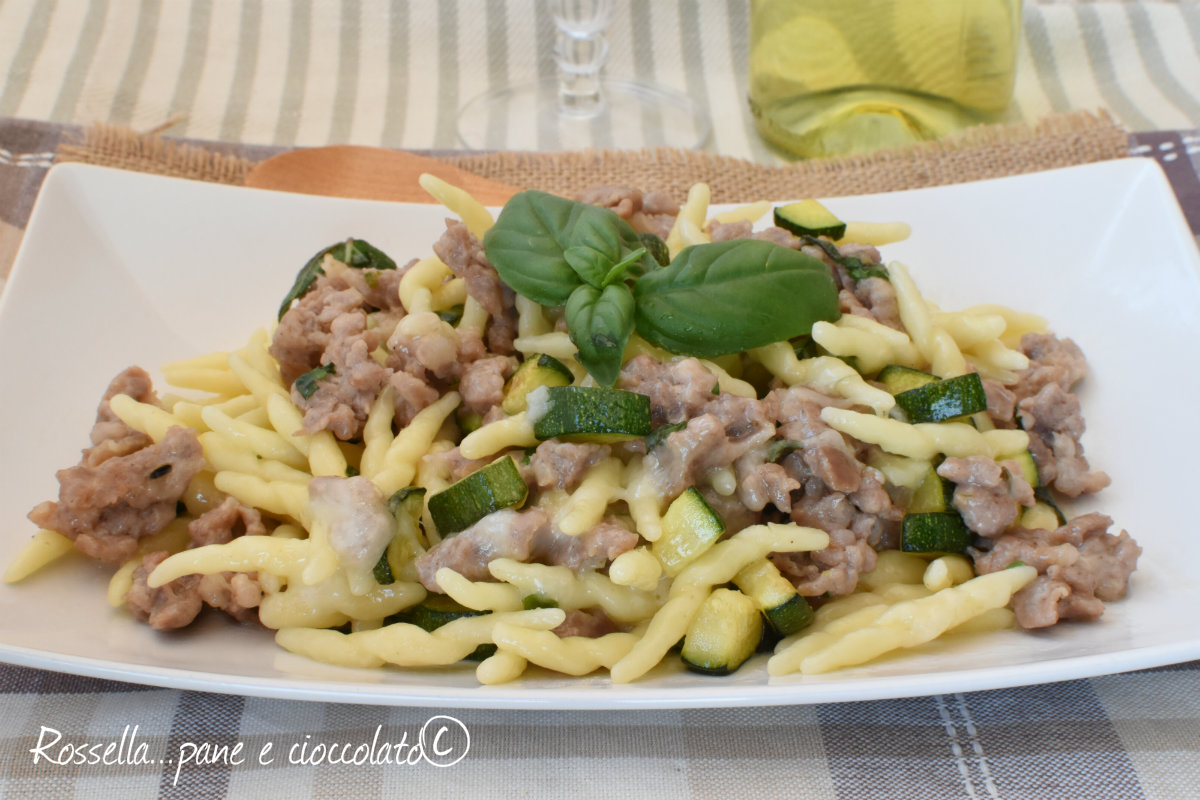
{"x":368,"y":173}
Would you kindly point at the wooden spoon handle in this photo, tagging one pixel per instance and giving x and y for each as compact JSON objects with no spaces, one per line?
{"x":368,"y":173}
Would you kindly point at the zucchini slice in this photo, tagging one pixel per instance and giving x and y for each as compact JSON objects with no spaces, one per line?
{"x":934,"y":494}
{"x":1039,"y":516}
{"x":1029,"y":470}
{"x":1044,"y":513}
{"x":460,"y":505}
{"x":808,"y":217}
{"x":897,"y":378}
{"x":724,"y":634}
{"x":934,"y":533}
{"x":593,"y":414}
{"x":435,"y":611}
{"x":689,"y":527}
{"x":537,"y":370}
{"x":656,"y":247}
{"x":786,"y":611}
{"x":944,"y":399}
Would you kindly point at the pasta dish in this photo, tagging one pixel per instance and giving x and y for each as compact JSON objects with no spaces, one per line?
{"x":598,"y":434}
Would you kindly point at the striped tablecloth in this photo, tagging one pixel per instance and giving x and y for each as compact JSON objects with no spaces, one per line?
{"x":273,"y":73}
{"x":394,"y":73}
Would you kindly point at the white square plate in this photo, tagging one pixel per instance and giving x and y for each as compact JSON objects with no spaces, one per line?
{"x":119,"y":268}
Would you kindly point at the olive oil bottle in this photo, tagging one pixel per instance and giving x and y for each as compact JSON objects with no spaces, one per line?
{"x":835,"y":77}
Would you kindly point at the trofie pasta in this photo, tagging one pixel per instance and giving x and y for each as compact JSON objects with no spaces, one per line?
{"x":600,"y":435}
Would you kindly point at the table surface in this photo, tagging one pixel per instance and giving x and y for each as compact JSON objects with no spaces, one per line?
{"x":275,"y":74}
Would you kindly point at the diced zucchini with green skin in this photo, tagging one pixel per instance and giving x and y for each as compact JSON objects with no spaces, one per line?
{"x":532,"y":601}
{"x":689,"y":527}
{"x":785,"y":610}
{"x":656,"y":247}
{"x":491,"y":488}
{"x":937,"y":532}
{"x":811,"y":218}
{"x":537,"y":370}
{"x":406,"y":506}
{"x":469,"y":421}
{"x":943,"y":400}
{"x":897,"y":378}
{"x":593,"y":414}
{"x":435,"y":611}
{"x":724,"y":634}
{"x":1029,"y":470}
{"x":1044,"y":496}
{"x":1040,"y":516}
{"x":934,"y":494}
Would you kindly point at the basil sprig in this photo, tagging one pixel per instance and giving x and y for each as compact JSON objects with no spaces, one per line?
{"x":726,"y":297}
{"x":561,"y":252}
{"x":710,"y":300}
{"x":356,"y":253}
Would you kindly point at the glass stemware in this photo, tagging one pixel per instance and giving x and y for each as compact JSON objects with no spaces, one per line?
{"x":581,"y":107}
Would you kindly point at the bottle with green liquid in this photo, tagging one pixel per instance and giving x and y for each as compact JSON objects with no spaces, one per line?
{"x":838,"y":77}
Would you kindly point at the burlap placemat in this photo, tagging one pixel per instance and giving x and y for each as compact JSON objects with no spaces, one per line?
{"x":974,"y":154}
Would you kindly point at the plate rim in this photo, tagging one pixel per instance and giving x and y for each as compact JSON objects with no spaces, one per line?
{"x":586,"y":698}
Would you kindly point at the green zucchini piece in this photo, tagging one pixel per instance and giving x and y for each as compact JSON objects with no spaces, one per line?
{"x":934,"y":494}
{"x":936,"y":532}
{"x":897,"y":378}
{"x":593,"y":414}
{"x":786,"y":611}
{"x":435,"y":611}
{"x":460,"y":505}
{"x":468,"y":421}
{"x":532,"y":601}
{"x":724,"y":634}
{"x":406,"y":506}
{"x":1040,"y":516}
{"x":1044,"y":513}
{"x":689,"y":528}
{"x":537,"y":370}
{"x":1029,"y":470}
{"x":808,"y":217}
{"x":944,"y":399}
{"x":656,"y":247}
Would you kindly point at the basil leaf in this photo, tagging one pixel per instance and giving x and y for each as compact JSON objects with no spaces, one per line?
{"x":589,"y":264}
{"x":660,"y":434}
{"x":600,"y":322}
{"x":361,"y":254}
{"x":725,"y":297}
{"x":856,"y":268}
{"x":353,"y":252}
{"x":632,"y":263}
{"x":383,"y":571}
{"x":529,"y":241}
{"x":306,"y":384}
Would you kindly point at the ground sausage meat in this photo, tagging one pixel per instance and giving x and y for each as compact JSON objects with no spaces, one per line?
{"x":987,"y":494}
{"x":107,"y":508}
{"x":177,"y":603}
{"x":173,"y":605}
{"x":1080,"y":565}
{"x":110,"y":435}
{"x":526,"y":536}
{"x":1055,"y":425}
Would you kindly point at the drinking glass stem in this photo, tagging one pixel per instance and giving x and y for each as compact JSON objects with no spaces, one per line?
{"x":581,"y":51}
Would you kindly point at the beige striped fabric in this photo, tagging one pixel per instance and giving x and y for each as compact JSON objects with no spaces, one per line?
{"x":395,"y":72}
